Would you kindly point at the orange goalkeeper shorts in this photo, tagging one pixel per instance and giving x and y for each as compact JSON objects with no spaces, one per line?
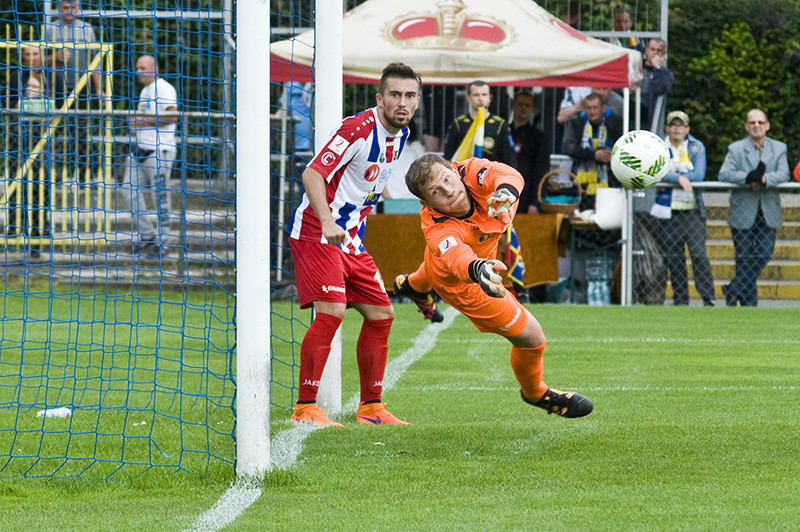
{"x":504,"y":316}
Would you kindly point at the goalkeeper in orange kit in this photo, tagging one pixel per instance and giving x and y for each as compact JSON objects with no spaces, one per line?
{"x":467,"y":206}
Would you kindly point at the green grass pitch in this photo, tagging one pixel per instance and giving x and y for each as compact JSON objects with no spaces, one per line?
{"x":695,"y":428}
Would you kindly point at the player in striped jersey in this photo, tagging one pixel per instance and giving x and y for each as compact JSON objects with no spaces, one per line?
{"x":333,"y":271}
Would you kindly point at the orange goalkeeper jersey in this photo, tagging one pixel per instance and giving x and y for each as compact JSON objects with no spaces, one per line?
{"x":453,"y":243}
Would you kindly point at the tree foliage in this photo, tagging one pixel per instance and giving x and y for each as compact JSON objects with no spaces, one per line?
{"x":740,"y":55}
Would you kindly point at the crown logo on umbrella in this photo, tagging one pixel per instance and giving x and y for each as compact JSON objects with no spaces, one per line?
{"x":449,"y":28}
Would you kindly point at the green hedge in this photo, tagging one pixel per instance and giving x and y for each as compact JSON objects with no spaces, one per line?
{"x":730,"y":56}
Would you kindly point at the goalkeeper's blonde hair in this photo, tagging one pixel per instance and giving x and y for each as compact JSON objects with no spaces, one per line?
{"x":420,"y":173}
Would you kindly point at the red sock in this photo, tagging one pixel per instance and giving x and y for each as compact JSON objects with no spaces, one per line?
{"x":528,"y":364}
{"x":314,"y":353}
{"x":371,"y":352}
{"x":419,"y":280}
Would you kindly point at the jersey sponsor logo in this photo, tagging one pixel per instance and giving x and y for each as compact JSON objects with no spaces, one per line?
{"x":508,"y":325}
{"x":446,"y":244}
{"x":479,"y":175}
{"x":331,"y":288}
{"x":372,"y":198}
{"x":372,"y":173}
{"x":338,"y":144}
{"x":327,"y":158}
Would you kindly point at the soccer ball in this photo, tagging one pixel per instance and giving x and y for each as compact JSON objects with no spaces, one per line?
{"x":639,"y":159}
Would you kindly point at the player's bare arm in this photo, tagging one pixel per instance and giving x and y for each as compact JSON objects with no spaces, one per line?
{"x":316,"y":191}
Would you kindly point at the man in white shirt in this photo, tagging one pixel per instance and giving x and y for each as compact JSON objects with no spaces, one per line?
{"x":152,"y":156}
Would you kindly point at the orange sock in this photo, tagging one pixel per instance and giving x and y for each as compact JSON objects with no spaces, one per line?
{"x":528,"y":364}
{"x":419,"y":281}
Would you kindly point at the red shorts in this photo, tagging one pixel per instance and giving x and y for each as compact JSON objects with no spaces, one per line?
{"x":325,"y":273}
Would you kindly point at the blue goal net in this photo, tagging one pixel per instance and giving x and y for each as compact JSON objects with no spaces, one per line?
{"x":117,"y":238}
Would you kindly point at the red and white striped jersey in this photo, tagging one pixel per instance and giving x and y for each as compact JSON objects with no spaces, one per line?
{"x":356,"y":162}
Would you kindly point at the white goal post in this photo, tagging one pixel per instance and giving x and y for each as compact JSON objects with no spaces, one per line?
{"x":252,"y":244}
{"x":253,"y":216}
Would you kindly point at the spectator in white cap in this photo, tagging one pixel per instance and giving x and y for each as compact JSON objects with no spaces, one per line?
{"x":682,"y":213}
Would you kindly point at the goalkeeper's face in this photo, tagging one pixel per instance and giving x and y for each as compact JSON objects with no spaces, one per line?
{"x":446,"y":193}
{"x":397,"y":103}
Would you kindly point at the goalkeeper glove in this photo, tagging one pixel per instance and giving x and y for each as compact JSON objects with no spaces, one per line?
{"x":485,"y":273}
{"x":499,"y":203}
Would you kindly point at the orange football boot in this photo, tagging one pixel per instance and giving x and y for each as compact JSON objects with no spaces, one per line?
{"x":311,"y":413}
{"x":376,"y":414}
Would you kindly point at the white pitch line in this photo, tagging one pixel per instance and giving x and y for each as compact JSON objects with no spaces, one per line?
{"x":243,"y":493}
{"x":287,"y":445}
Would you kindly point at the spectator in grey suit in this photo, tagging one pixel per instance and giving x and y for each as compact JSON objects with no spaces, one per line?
{"x":758,"y":163}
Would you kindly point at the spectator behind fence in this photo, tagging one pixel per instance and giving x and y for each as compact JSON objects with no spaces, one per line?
{"x":610,"y":99}
{"x":31,"y":88}
{"x":624,"y":22}
{"x":682,"y":214}
{"x":33,"y":80}
{"x":531,"y":147}
{"x":533,"y":162}
{"x":588,"y":138}
{"x":296,"y":101}
{"x":333,"y":270}
{"x":498,"y":144}
{"x":69,"y":28}
{"x":572,"y":103}
{"x":759,"y":164}
{"x":438,"y":111}
{"x":152,"y":157}
{"x":571,"y":14}
{"x":656,"y":82}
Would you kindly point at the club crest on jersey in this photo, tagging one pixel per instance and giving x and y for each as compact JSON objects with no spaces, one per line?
{"x":338,"y":144}
{"x":479,"y":175}
{"x":372,"y":173}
